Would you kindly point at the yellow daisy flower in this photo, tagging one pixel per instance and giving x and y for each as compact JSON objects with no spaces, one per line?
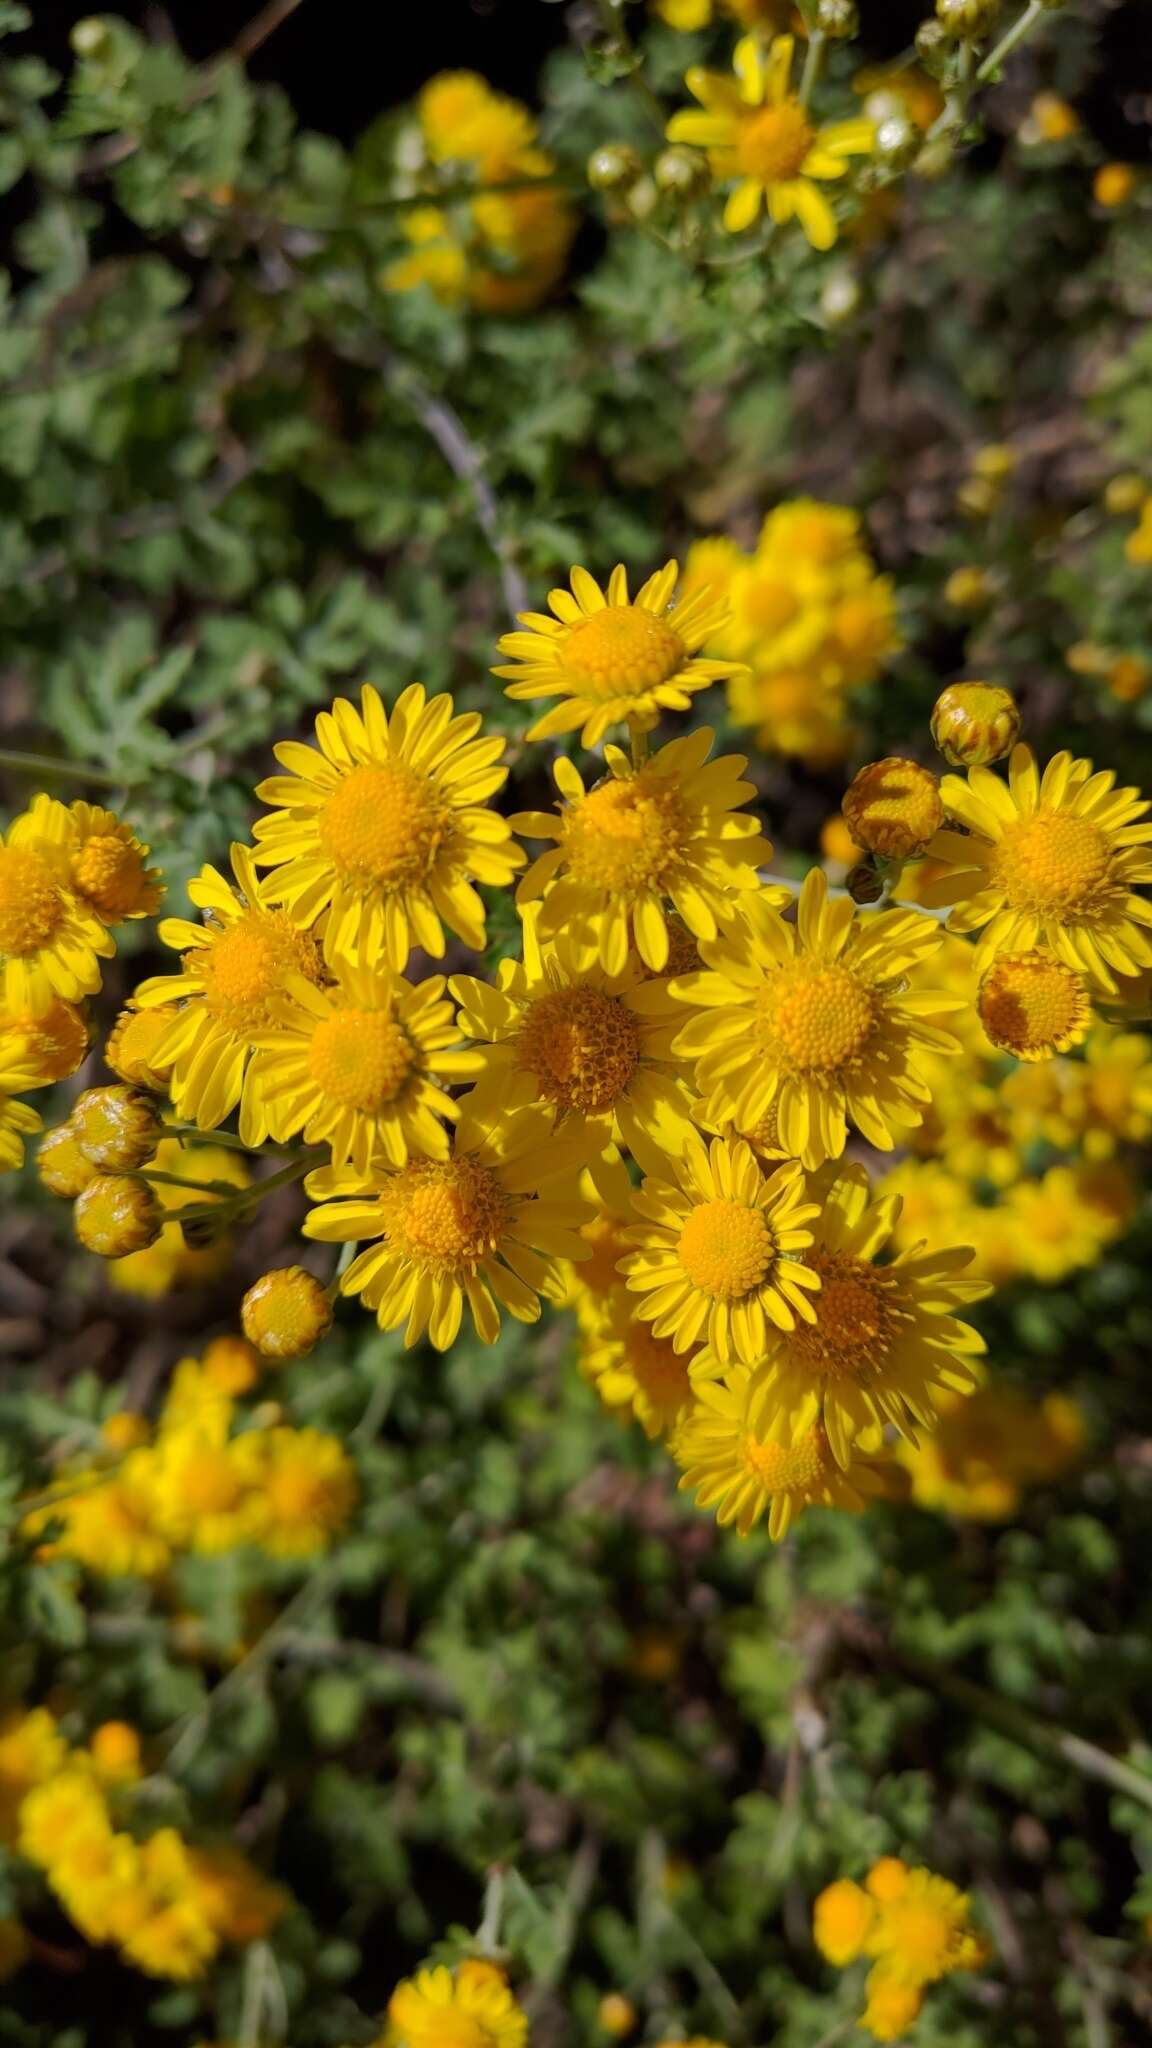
{"x":636,"y":1371}
{"x":108,"y":866}
{"x":817,"y":1018}
{"x":387,"y":827}
{"x":202,"y":1493}
{"x":234,"y":964}
{"x":593,"y":1047}
{"x":757,"y":132}
{"x":17,"y":1120}
{"x":305,"y":1483}
{"x":883,"y":1342}
{"x":467,"y":2008}
{"x":745,"y":1470}
{"x":1048,"y":861}
{"x":465,"y":122}
{"x":922,"y":1929}
{"x":1032,"y":1006}
{"x":721,"y":1249}
{"x":106,"y":1525}
{"x":669,"y":829}
{"x":470,"y":1227}
{"x":51,"y":942}
{"x":613,"y":658}
{"x":54,"y":1042}
{"x":357,"y":1066}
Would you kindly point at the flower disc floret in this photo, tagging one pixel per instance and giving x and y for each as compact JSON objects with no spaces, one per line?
{"x":32,"y":902}
{"x":1033,"y":1006}
{"x":584,"y":1044}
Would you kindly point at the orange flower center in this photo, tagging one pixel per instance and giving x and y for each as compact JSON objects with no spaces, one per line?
{"x":1032,"y":1005}
{"x":726,"y":1249}
{"x":246,"y":965}
{"x":108,"y":871}
{"x":814,"y":1019}
{"x":32,"y":903}
{"x":582,"y":1044}
{"x":1053,"y":865}
{"x":626,"y":836}
{"x":209,"y":1484}
{"x":774,"y":144}
{"x":857,"y":1320}
{"x":385,"y":824}
{"x":361,"y":1059}
{"x":621,"y":652}
{"x":446,"y":1215}
{"x":785,"y":1468}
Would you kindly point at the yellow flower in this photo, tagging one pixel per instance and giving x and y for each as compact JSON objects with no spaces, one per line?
{"x":104,"y":1519}
{"x":17,"y":1120}
{"x":1113,"y":185}
{"x":52,"y":1044}
{"x":841,"y":1919}
{"x":591,"y":1047}
{"x":51,"y":943}
{"x":471,"y":1227}
{"x":922,"y":1932}
{"x":1033,"y":1006}
{"x":884,"y":1341}
{"x":387,"y":827}
{"x":974,"y":724}
{"x":891,"y":2007}
{"x":790,"y":716}
{"x":636,"y":1371}
{"x":985,"y":1449}
{"x":238,"y":1903}
{"x":1049,"y":861}
{"x":306,"y":1487}
{"x":1057,"y":1227}
{"x":1109,"y":1093}
{"x":721,"y":1249}
{"x":670,"y":829}
{"x":286,"y":1313}
{"x":32,"y":1751}
{"x":612,"y":658}
{"x":757,"y":132}
{"x":130,"y":1048}
{"x":893,"y":808}
{"x":360,"y":1066}
{"x":1052,"y":119}
{"x":233,"y":965}
{"x":170,"y":1262}
{"x":465,"y":122}
{"x":167,"y":1932}
{"x":745,"y":1470}
{"x":202,"y":1494}
{"x":107,"y":866}
{"x":817,"y":1019}
{"x":1138,"y":546}
{"x":115,"y":1751}
{"x":67,"y":1806}
{"x":441,"y":2009}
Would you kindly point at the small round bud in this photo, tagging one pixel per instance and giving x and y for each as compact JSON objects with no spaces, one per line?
{"x":616,"y":2015}
{"x":968,"y":589}
{"x":933,"y":47}
{"x":286,"y":1313}
{"x":641,"y":198}
{"x":838,"y":19}
{"x":1052,"y":119}
{"x":897,"y":141}
{"x":864,"y":884}
{"x":115,"y":1751}
{"x":61,"y":1165}
{"x":613,"y":166}
{"x":839,"y":296}
{"x":90,"y":36}
{"x":116,"y":1215}
{"x":682,"y":172}
{"x":116,"y":1128}
{"x":125,"y":1431}
{"x":893,"y":808}
{"x":231,"y":1365}
{"x":995,"y":461}
{"x":975,"y":723}
{"x":1128,"y":678}
{"x":967,"y":20}
{"x":1125,"y":493}
{"x":132,"y":1041}
{"x":1113,"y":184}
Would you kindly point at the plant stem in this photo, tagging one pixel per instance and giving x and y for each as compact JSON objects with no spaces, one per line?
{"x":488,"y":1932}
{"x":1010,"y":39}
{"x":44,"y":764}
{"x":813,"y":65}
{"x":956,"y":105}
{"x":193,"y":1135}
{"x":639,"y":746}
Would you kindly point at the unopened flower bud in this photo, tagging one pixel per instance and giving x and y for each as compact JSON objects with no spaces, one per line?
{"x":1125,"y":493}
{"x":864,"y":884}
{"x":682,"y":172}
{"x":838,"y":19}
{"x":839,"y":296}
{"x":90,"y":36}
{"x":933,"y":47}
{"x":286,"y":1313}
{"x":616,"y":2015}
{"x":613,"y":167}
{"x":893,"y":808}
{"x":966,"y":20}
{"x":967,"y":588}
{"x":897,"y":141}
{"x":61,"y":1165}
{"x":116,"y":1215}
{"x":975,"y":723}
{"x":115,"y":1751}
{"x":132,"y":1041}
{"x":116,"y":1128}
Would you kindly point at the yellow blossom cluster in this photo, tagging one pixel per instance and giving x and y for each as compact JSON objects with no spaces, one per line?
{"x":986,"y":1450}
{"x":207,"y":1479}
{"x":72,"y":1814}
{"x":470,"y":2006}
{"x":494,"y":230}
{"x":914,"y":1927}
{"x":809,"y":619}
{"x":69,"y":874}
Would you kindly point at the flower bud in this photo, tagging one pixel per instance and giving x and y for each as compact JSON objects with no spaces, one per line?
{"x":116,"y":1215}
{"x":132,"y":1042}
{"x":286,"y":1313}
{"x":682,"y":172}
{"x":61,"y":1165}
{"x":115,"y":1751}
{"x":838,"y":19}
{"x":1125,"y":493}
{"x":864,"y":884}
{"x":613,"y":167}
{"x":90,"y":36}
{"x":1113,"y":184}
{"x":975,"y":723}
{"x":933,"y":47}
{"x":897,"y":141}
{"x":967,"y":589}
{"x":616,"y":2015}
{"x":116,"y":1128}
{"x":967,"y":20}
{"x":893,"y":808}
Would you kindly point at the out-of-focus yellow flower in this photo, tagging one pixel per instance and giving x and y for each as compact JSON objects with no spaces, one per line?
{"x":1051,"y":119}
{"x":987,"y":1449}
{"x":1138,"y":546}
{"x":32,"y":1750}
{"x":841,"y":1919}
{"x":1113,"y":184}
{"x":889,"y":88}
{"x":616,"y":2015}
{"x":305,"y":1485}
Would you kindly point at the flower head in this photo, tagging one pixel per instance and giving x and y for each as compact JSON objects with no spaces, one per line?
{"x":746,"y":1470}
{"x":1049,"y":860}
{"x":611,"y":658}
{"x":635,"y":1371}
{"x":386,"y":826}
{"x":1032,"y":1005}
{"x":893,"y":808}
{"x":758,"y":133}
{"x":234,"y":965}
{"x":975,"y":723}
{"x":51,"y":1044}
{"x":130,"y":1048}
{"x":285,"y":1313}
{"x":720,"y":1251}
{"x":117,"y":1214}
{"x":816,"y":1019}
{"x":441,"y":2008}
{"x":841,"y":1919}
{"x":922,"y":1930}
{"x":668,"y":830}
{"x":51,"y":941}
{"x":473,"y":1227}
{"x":107,"y":866}
{"x":305,"y":1483}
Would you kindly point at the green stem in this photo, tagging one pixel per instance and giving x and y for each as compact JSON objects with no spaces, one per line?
{"x":192,"y":1135}
{"x":44,"y":764}
{"x":956,"y":104}
{"x":813,"y":65}
{"x":488,"y":1932}
{"x":1010,"y":40}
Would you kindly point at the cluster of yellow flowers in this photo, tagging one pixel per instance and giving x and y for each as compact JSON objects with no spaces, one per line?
{"x":69,"y":874}
{"x":912,"y":1925}
{"x":470,"y":2006}
{"x":206,"y":1480}
{"x":494,"y":230}
{"x":70,"y":1812}
{"x":985,"y":1450}
{"x":810,"y":622}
